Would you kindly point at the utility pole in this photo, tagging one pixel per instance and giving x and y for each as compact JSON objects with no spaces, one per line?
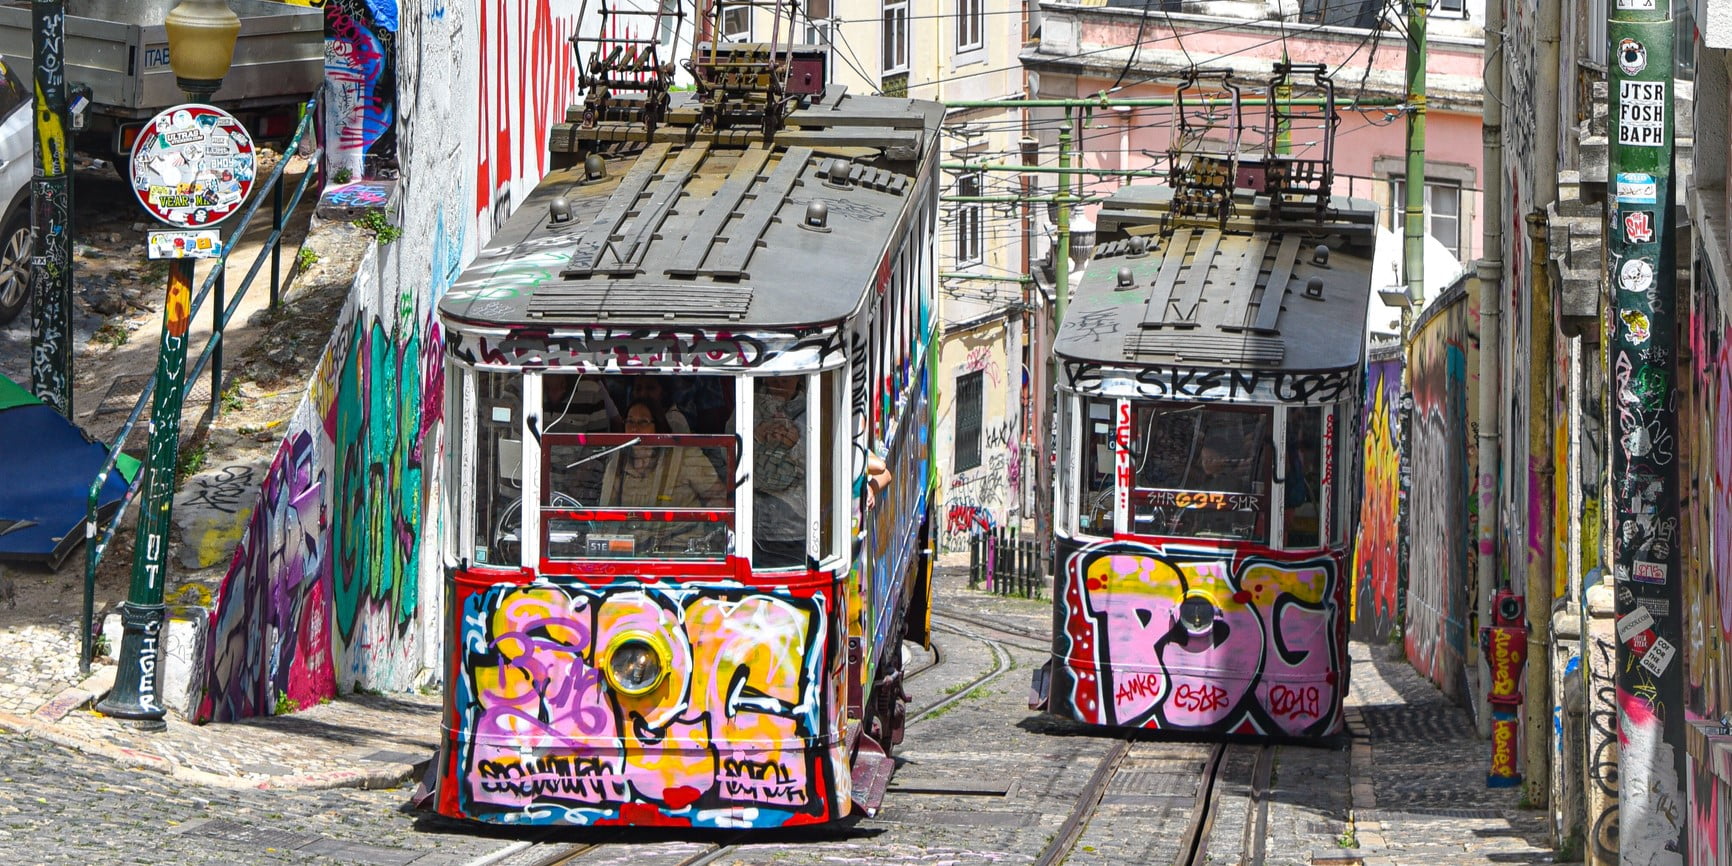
{"x":1413,"y":259}
{"x":51,"y":214}
{"x":1648,"y":590}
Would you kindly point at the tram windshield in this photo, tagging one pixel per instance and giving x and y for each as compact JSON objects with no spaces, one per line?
{"x":1202,"y":470}
{"x":645,"y":466}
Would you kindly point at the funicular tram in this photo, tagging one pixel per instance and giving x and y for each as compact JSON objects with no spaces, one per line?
{"x":673,"y":596}
{"x":1211,"y":374}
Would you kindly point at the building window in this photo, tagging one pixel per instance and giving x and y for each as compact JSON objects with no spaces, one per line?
{"x":1442,"y":211}
{"x":969,"y":401}
{"x":818,"y":23}
{"x":1450,"y":8}
{"x":670,"y":22}
{"x":737,"y":24}
{"x":968,"y":228}
{"x":970,"y":25}
{"x":895,"y":36}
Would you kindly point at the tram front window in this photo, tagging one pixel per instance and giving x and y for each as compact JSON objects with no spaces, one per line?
{"x":637,"y":495}
{"x":1202,"y":470}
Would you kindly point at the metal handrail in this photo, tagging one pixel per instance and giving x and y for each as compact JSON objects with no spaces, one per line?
{"x":96,"y":542}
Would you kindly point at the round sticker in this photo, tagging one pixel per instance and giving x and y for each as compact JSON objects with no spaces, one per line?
{"x":193,"y":166}
{"x":1636,"y":275}
{"x":1632,"y":56}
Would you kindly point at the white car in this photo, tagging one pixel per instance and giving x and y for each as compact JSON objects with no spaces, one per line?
{"x":17,"y":158}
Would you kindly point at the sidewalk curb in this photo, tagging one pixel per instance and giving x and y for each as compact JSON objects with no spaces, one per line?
{"x":387,"y":775}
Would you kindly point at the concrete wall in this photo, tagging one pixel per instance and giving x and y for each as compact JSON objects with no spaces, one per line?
{"x":1438,"y":627}
{"x":335,"y":584}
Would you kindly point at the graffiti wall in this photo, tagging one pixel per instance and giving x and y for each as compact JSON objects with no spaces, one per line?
{"x":1441,"y":528}
{"x":1241,"y":644}
{"x":1376,"y":589}
{"x":741,"y":732}
{"x":332,"y":587}
{"x":523,"y":67}
{"x":980,"y":459}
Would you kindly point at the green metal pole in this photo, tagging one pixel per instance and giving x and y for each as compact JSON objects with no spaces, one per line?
{"x":1167,"y":102}
{"x":1061,"y":256}
{"x":51,"y":215}
{"x":1648,"y":590}
{"x":1414,"y":225}
{"x":137,"y":684}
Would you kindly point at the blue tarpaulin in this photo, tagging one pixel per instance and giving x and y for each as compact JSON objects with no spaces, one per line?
{"x":47,"y":465}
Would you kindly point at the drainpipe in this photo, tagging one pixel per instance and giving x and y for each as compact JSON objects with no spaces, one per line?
{"x":1537,"y":723}
{"x":1542,"y":480}
{"x":1490,"y":310}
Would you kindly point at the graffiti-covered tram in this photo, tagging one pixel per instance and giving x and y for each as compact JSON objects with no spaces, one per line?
{"x":673,"y":598}
{"x":1211,"y":373}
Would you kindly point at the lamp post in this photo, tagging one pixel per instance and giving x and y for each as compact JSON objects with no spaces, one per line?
{"x":51,"y":214}
{"x":201,"y":40}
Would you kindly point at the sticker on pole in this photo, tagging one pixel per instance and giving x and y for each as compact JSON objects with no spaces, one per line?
{"x":1632,"y":56}
{"x":192,"y":166}
{"x":1639,"y":5}
{"x":193,"y":244}
{"x":1642,"y":113}
{"x":1636,"y":187}
{"x":1659,"y":657}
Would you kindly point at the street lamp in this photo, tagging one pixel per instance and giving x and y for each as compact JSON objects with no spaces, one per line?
{"x":201,"y":44}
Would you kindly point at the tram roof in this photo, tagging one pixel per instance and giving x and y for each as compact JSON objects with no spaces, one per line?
{"x":1170,"y":313}
{"x":704,"y":228}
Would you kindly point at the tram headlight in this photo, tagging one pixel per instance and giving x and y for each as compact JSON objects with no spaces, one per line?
{"x":635,"y":662}
{"x":1197,"y":613}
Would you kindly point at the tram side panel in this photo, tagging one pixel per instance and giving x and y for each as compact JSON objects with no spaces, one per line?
{"x":1170,"y":636}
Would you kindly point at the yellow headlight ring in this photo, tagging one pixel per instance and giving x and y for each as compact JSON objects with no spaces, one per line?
{"x":656,"y":643}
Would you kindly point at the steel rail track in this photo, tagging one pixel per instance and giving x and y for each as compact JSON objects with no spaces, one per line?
{"x":1251,"y":846}
{"x":1194,"y":844}
{"x":1044,"y":640}
{"x":1000,"y":667}
{"x":1090,"y":800}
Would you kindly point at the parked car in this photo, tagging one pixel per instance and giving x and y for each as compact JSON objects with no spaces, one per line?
{"x":17,"y":159}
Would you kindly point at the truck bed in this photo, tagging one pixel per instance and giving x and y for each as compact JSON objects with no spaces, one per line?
{"x":120,"y":49}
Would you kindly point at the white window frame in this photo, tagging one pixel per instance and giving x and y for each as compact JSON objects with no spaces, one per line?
{"x":895,"y":51}
{"x":1398,"y":209}
{"x":971,"y":28}
{"x":735,"y":34}
{"x":1449,"y":9}
{"x":970,"y":222}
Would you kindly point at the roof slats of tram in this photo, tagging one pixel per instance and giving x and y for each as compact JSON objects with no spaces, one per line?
{"x":597,"y":239}
{"x":706,"y":228}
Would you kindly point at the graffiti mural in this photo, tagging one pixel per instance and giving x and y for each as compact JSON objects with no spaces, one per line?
{"x":1377,"y":555}
{"x":1165,"y":640}
{"x":731,"y":735}
{"x":524,"y":66}
{"x":360,"y":81}
{"x":1440,"y":526}
{"x":982,"y":459}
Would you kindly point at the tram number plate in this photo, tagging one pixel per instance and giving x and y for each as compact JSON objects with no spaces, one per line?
{"x":612,"y":544}
{"x":1213,"y":500}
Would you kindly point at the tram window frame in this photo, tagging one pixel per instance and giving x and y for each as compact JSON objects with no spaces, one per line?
{"x":748,"y":435}
{"x":1064,"y":508}
{"x":1304,"y":424}
{"x":455,"y":507}
{"x":1345,"y":465}
{"x":1097,"y":462}
{"x":499,"y":419}
{"x":1223,"y":485}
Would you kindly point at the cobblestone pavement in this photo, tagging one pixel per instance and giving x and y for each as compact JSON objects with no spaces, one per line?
{"x":1419,"y":793}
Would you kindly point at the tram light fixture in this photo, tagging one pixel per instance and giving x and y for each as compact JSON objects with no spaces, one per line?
{"x":817,"y":217}
{"x":1126,"y":279}
{"x":1320,"y":255}
{"x":594,"y":167}
{"x":559,"y":210}
{"x":201,"y":44}
{"x":1197,"y":613}
{"x":635,"y":662}
{"x":1314,"y":287}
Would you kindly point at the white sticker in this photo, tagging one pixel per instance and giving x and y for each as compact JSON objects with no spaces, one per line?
{"x":1634,"y":623}
{"x":1636,"y":275}
{"x":1643,"y":5}
{"x":502,"y":414}
{"x":1649,"y":572}
{"x":1637,"y":188}
{"x":1642,"y":113}
{"x":1658,"y":657}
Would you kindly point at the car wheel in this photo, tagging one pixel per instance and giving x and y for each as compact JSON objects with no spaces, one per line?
{"x":15,"y":250}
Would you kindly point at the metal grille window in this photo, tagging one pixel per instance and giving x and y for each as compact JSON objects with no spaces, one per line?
{"x":970,"y":25}
{"x":895,"y":56}
{"x":968,"y":411}
{"x":968,"y":228}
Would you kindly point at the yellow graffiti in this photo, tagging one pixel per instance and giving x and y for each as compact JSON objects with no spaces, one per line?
{"x":51,"y":135}
{"x":200,"y":595}
{"x":1266,"y":582}
{"x":1503,"y":749}
{"x":220,"y":541}
{"x":1139,"y":575}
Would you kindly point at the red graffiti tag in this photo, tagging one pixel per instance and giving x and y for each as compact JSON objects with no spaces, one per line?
{"x":1139,"y":686}
{"x":1293,"y":703}
{"x":1200,"y":699}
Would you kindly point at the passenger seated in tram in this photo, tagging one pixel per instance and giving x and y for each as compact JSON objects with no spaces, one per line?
{"x":575,"y":403}
{"x":656,"y":476}
{"x":779,"y":473}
